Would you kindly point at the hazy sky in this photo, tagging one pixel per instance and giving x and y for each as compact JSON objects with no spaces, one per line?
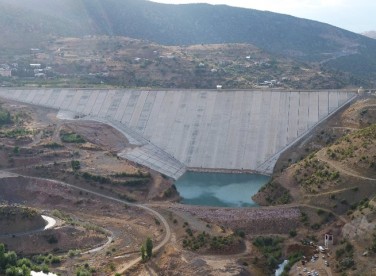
{"x":353,"y":15}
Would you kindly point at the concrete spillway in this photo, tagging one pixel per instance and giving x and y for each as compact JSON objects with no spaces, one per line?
{"x":243,"y":130}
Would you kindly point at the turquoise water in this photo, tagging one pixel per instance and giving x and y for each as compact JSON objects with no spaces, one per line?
{"x":220,"y":189}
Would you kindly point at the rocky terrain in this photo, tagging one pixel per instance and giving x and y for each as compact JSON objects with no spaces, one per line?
{"x":338,"y":177}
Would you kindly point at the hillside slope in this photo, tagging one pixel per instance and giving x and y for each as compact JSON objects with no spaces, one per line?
{"x":337,"y":181}
{"x":191,"y":24}
{"x":136,"y":63}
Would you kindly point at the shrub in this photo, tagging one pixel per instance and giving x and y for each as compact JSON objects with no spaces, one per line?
{"x":75,"y":164}
{"x":71,"y":138}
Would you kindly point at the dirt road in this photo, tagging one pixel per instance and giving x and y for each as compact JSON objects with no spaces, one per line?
{"x":321,"y":157}
{"x":141,"y":206}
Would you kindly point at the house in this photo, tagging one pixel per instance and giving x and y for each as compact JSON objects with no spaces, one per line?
{"x":5,"y":72}
{"x":35,"y":65}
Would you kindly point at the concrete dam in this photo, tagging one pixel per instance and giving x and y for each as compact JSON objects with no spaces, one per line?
{"x":209,"y":129}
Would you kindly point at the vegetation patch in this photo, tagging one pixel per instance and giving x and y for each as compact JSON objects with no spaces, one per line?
{"x":138,"y":174}
{"x":75,"y":164}
{"x":356,"y":148}
{"x":313,"y":175}
{"x":15,"y":133}
{"x":5,"y":117}
{"x":204,"y":242}
{"x":85,"y":270}
{"x":108,"y":180}
{"x":53,"y":145}
{"x":9,"y":212}
{"x":71,"y":137}
{"x":12,"y":265}
{"x":273,"y":193}
{"x":271,"y":249}
{"x":345,"y":256}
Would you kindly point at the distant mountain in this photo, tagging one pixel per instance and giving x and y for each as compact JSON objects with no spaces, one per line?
{"x":371,"y":34}
{"x":190,"y":24}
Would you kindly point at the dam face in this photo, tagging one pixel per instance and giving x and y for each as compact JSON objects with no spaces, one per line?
{"x":175,"y":130}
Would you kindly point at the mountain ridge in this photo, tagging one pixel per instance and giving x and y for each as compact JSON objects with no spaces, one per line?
{"x":189,"y":24}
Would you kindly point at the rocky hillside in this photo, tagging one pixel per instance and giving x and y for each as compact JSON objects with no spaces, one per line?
{"x":336,"y":180}
{"x":334,"y":167}
{"x":29,"y":22}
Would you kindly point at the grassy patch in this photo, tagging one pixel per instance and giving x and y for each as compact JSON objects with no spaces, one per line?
{"x":15,"y":133}
{"x":70,"y":137}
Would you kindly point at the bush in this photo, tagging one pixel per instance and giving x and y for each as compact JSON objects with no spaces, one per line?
{"x":52,"y":239}
{"x":4,"y":117}
{"x":53,"y":145}
{"x":75,"y":164}
{"x":55,"y":260}
{"x":71,"y":138}
{"x":240,"y":233}
{"x":271,"y":249}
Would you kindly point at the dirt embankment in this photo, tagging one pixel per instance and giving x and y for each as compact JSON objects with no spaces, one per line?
{"x":59,"y":240}
{"x":17,"y":219}
{"x":255,"y":221}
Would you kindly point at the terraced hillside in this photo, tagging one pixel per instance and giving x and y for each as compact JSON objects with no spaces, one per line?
{"x":338,"y":180}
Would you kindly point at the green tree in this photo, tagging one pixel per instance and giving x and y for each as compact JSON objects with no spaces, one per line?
{"x":75,"y":165}
{"x":149,"y":247}
{"x":2,"y":256}
{"x":16,"y":150}
{"x":11,"y":258}
{"x":143,"y":253}
{"x":83,"y":272}
{"x":4,"y":117}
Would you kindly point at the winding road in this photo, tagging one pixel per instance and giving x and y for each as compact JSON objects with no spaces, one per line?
{"x":141,"y":206}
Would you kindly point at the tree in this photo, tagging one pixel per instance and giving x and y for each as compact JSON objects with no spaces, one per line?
{"x":149,"y":247}
{"x":143,"y":255}
{"x":75,"y":165}
{"x":11,"y":258}
{"x":2,"y":256}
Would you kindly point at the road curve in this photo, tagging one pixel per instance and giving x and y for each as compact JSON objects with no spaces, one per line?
{"x":51,"y":222}
{"x":141,"y":206}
